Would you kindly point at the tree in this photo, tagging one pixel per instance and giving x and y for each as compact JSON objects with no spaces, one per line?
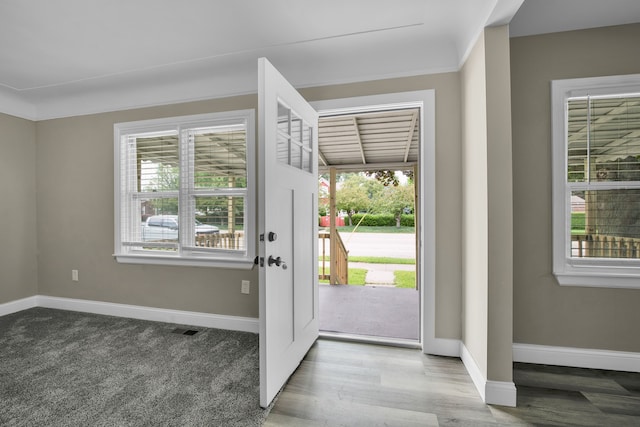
{"x":220,"y":210}
{"x":397,"y":200}
{"x":353,"y":196}
{"x":389,"y":177}
{"x":223,"y":210}
{"x":167,"y":178}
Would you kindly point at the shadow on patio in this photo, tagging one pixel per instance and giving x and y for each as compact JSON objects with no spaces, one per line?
{"x":372,"y":311}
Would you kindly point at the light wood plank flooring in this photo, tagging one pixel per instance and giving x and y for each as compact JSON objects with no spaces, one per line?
{"x":353,"y":384}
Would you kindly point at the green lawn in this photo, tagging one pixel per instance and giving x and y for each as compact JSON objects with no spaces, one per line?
{"x":356,"y":276}
{"x":577,"y":223}
{"x":405,"y":279}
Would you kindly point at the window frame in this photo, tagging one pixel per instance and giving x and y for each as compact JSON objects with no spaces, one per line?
{"x":186,"y":255}
{"x":571,"y":271}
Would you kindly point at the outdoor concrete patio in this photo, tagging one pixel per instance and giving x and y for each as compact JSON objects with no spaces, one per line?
{"x":374,"y":311}
{"x":378,"y":309}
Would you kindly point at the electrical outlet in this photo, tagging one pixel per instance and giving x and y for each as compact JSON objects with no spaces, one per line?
{"x":245,"y":286}
{"x":74,"y":275}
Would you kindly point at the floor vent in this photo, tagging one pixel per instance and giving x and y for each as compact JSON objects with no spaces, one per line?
{"x":185,"y":331}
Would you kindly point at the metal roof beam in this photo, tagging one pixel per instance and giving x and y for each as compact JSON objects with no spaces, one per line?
{"x":359,"y":139}
{"x":410,"y":138}
{"x":369,"y":167}
{"x":322,"y":158}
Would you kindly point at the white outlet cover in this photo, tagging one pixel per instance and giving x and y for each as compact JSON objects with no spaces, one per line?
{"x":245,"y":286}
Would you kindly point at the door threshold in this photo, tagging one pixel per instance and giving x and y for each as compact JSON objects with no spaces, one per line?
{"x":367,"y":339}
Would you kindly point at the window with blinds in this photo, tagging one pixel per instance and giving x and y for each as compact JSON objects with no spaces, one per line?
{"x":183,"y":189}
{"x":603,"y":175}
{"x":596,"y":181}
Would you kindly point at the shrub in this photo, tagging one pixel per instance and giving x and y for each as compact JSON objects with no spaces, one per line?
{"x":407,"y":221}
{"x":382,"y":220}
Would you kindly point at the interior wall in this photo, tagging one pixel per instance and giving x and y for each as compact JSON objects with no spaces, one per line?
{"x":448,"y":291}
{"x":475,"y":204}
{"x":544,"y":312}
{"x":76,"y":216}
{"x":500,"y":205}
{"x":18,"y":251}
{"x":75,"y":211}
{"x":487,"y":205}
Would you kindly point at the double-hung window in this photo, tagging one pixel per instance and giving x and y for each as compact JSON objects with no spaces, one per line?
{"x":596,"y":181}
{"x":184,"y":190}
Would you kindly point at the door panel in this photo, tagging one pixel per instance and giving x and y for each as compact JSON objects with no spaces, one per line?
{"x":305,"y":297}
{"x":288,"y":228}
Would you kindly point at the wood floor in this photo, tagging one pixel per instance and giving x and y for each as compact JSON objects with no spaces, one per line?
{"x":351,"y":384}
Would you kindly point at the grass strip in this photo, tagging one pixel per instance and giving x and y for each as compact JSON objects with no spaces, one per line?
{"x":356,"y":276}
{"x":405,"y":279}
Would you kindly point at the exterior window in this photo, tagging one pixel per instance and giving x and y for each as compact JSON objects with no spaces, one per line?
{"x":184,"y":190}
{"x":596,"y":166}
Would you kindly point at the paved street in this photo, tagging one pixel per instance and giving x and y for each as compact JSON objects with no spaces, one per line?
{"x":395,"y":245}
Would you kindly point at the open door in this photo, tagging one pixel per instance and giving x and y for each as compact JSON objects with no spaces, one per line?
{"x":288,"y":260}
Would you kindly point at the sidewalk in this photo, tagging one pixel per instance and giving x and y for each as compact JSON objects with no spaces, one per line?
{"x":383,"y":267}
{"x":381,"y":274}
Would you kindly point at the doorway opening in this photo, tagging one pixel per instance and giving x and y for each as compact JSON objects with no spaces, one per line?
{"x":368,"y":207}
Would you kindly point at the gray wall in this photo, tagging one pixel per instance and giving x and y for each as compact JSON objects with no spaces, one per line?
{"x":500,"y":196}
{"x":448,"y":182}
{"x":18,"y":251}
{"x":475,"y":206}
{"x":75,"y":223}
{"x":74,"y":163}
{"x":75,"y":211}
{"x":487,"y":205}
{"x":70,"y":161}
{"x":544,"y":312}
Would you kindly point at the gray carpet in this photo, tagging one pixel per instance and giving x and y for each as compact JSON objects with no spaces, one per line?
{"x":61,"y":368}
{"x":378,"y":311}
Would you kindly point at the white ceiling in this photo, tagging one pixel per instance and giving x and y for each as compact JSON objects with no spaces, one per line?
{"x":68,"y":57}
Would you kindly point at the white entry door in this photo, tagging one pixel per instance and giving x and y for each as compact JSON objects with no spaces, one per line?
{"x":288,"y":260}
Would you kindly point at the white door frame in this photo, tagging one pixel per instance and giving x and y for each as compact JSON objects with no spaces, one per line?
{"x":426,"y":256}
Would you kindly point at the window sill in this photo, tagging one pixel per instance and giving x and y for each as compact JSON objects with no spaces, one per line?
{"x":232,"y":263}
{"x":597,"y":278}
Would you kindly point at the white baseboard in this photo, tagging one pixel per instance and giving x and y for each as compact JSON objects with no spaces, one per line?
{"x":474,"y":371}
{"x":205,"y":320}
{"x":501,"y":393}
{"x":18,"y":305}
{"x":442,"y":347}
{"x":492,"y":392}
{"x":577,"y":357}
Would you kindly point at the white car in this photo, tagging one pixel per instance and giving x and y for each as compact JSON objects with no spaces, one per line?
{"x":165,"y":227}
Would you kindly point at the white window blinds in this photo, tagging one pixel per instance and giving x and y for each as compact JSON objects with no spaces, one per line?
{"x":184,"y":186}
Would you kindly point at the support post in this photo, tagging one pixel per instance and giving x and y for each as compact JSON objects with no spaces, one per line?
{"x":333,"y":240}
{"x":416,"y":189}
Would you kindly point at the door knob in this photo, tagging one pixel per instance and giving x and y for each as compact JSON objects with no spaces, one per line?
{"x":272,"y":236}
{"x":277,"y":261}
